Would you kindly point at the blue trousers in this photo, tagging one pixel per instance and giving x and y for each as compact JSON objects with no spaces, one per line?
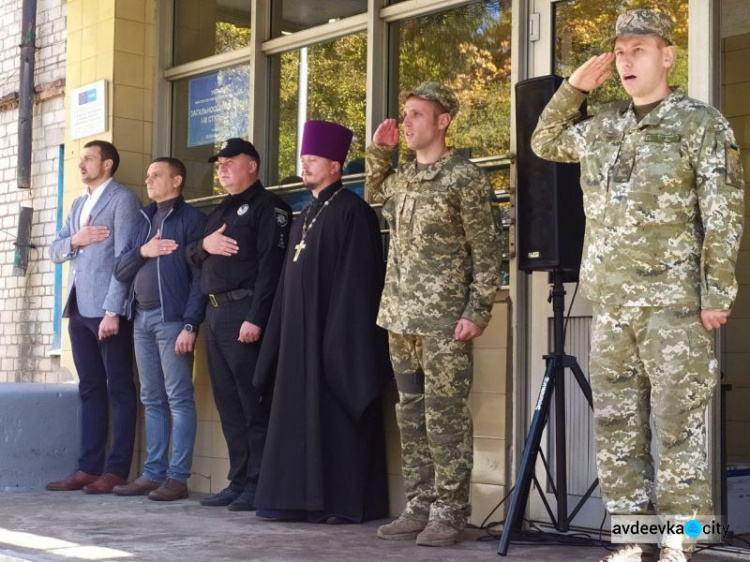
{"x":105,"y":372}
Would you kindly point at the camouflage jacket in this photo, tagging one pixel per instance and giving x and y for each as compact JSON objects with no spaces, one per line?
{"x":444,"y":253}
{"x":663,"y":199}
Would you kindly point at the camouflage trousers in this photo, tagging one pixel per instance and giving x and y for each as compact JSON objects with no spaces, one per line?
{"x":652,"y":364}
{"x":433,"y":375}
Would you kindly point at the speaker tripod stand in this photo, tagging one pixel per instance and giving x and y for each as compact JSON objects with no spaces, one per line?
{"x":553,"y":382}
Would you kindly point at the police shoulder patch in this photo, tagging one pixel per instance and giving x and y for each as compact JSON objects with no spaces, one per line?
{"x":282,"y":217}
{"x":734,"y":165}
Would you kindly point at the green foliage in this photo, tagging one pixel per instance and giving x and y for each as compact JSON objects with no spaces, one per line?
{"x":230,"y":37}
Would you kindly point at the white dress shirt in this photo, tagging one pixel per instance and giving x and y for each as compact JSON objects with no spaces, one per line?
{"x":91,"y":201}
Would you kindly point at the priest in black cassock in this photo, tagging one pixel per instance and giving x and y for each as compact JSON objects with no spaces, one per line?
{"x":323,"y":356}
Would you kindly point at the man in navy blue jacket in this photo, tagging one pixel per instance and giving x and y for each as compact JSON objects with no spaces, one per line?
{"x":168,"y":305}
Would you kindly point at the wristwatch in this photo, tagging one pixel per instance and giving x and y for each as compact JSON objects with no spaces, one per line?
{"x":110,"y":314}
{"x":189,"y":328}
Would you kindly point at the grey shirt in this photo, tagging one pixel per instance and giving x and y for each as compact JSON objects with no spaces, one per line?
{"x":146,"y":282}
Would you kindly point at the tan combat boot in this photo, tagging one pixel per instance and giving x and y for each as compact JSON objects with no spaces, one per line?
{"x":438,"y":533}
{"x":402,"y":529}
{"x":673,"y":555}
{"x":632,"y":553}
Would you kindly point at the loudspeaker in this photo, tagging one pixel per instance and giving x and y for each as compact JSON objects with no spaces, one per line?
{"x":549,"y":201}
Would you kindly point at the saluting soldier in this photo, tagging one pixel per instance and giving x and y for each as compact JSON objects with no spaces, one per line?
{"x":241,"y":255}
{"x":441,"y":280}
{"x":663,"y":195}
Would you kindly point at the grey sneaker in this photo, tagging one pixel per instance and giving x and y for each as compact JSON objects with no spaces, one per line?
{"x":632,"y":553}
{"x":673,"y":555}
{"x":438,"y":533}
{"x":402,"y":529}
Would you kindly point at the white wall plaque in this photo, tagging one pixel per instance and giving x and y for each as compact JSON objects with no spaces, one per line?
{"x":88,"y":110}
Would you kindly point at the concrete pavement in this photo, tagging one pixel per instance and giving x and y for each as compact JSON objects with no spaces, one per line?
{"x":54,"y":526}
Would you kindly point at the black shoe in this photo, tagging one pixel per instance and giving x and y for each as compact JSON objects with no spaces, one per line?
{"x":245,"y":501}
{"x":222,"y":499}
{"x":336,"y":520}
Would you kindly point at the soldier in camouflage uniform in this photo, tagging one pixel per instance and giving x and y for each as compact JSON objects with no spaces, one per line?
{"x":663,"y":195}
{"x":442,"y":276}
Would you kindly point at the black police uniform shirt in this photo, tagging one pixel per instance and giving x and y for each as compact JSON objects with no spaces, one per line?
{"x":259,"y":221}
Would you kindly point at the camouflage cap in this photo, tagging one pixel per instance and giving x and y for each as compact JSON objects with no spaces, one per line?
{"x":643,"y":22}
{"x":434,"y":91}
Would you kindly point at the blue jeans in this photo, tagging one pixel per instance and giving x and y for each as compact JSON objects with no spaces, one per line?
{"x":166,"y":387}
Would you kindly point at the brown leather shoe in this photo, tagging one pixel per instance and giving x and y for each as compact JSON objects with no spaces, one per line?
{"x":75,"y":481}
{"x":170,"y":491}
{"x":104,"y":484}
{"x":138,"y":487}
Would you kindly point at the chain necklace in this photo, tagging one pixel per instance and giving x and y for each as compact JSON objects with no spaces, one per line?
{"x":308,"y":227}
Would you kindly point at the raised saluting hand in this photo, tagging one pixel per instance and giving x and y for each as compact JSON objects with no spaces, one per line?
{"x":592,"y":73}
{"x":386,"y":133}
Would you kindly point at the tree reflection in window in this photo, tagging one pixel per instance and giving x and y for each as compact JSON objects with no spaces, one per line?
{"x":203,"y":28}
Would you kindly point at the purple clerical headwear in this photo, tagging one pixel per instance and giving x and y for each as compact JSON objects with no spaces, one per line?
{"x":327,"y":140}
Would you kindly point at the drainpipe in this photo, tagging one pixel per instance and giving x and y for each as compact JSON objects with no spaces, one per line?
{"x":26,"y":93}
{"x":23,"y":241}
{"x":25,"y":133}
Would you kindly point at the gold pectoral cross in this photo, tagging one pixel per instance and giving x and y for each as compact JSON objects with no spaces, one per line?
{"x":299,"y":247}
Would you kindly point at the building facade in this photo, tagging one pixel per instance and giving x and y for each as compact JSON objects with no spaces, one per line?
{"x":29,"y":342}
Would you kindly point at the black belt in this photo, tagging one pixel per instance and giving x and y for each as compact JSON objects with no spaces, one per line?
{"x":237,"y":294}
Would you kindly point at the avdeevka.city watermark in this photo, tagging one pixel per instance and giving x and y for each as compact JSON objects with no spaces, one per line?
{"x":653,"y":528}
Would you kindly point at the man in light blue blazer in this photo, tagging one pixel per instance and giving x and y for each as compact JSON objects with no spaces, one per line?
{"x":95,"y":232}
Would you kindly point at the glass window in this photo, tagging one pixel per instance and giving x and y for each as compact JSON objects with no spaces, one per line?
{"x":203,"y":28}
{"x":325,"y":81}
{"x":468,"y":49}
{"x":208,"y":109}
{"x":289,"y":16}
{"x":582,"y":28}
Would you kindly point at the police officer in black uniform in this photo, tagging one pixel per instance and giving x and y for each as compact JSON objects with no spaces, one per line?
{"x":241,"y":255}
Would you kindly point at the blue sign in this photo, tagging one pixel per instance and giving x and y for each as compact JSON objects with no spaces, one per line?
{"x":218,"y":106}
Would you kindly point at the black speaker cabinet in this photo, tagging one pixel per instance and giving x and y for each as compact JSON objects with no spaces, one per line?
{"x":549,"y":201}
